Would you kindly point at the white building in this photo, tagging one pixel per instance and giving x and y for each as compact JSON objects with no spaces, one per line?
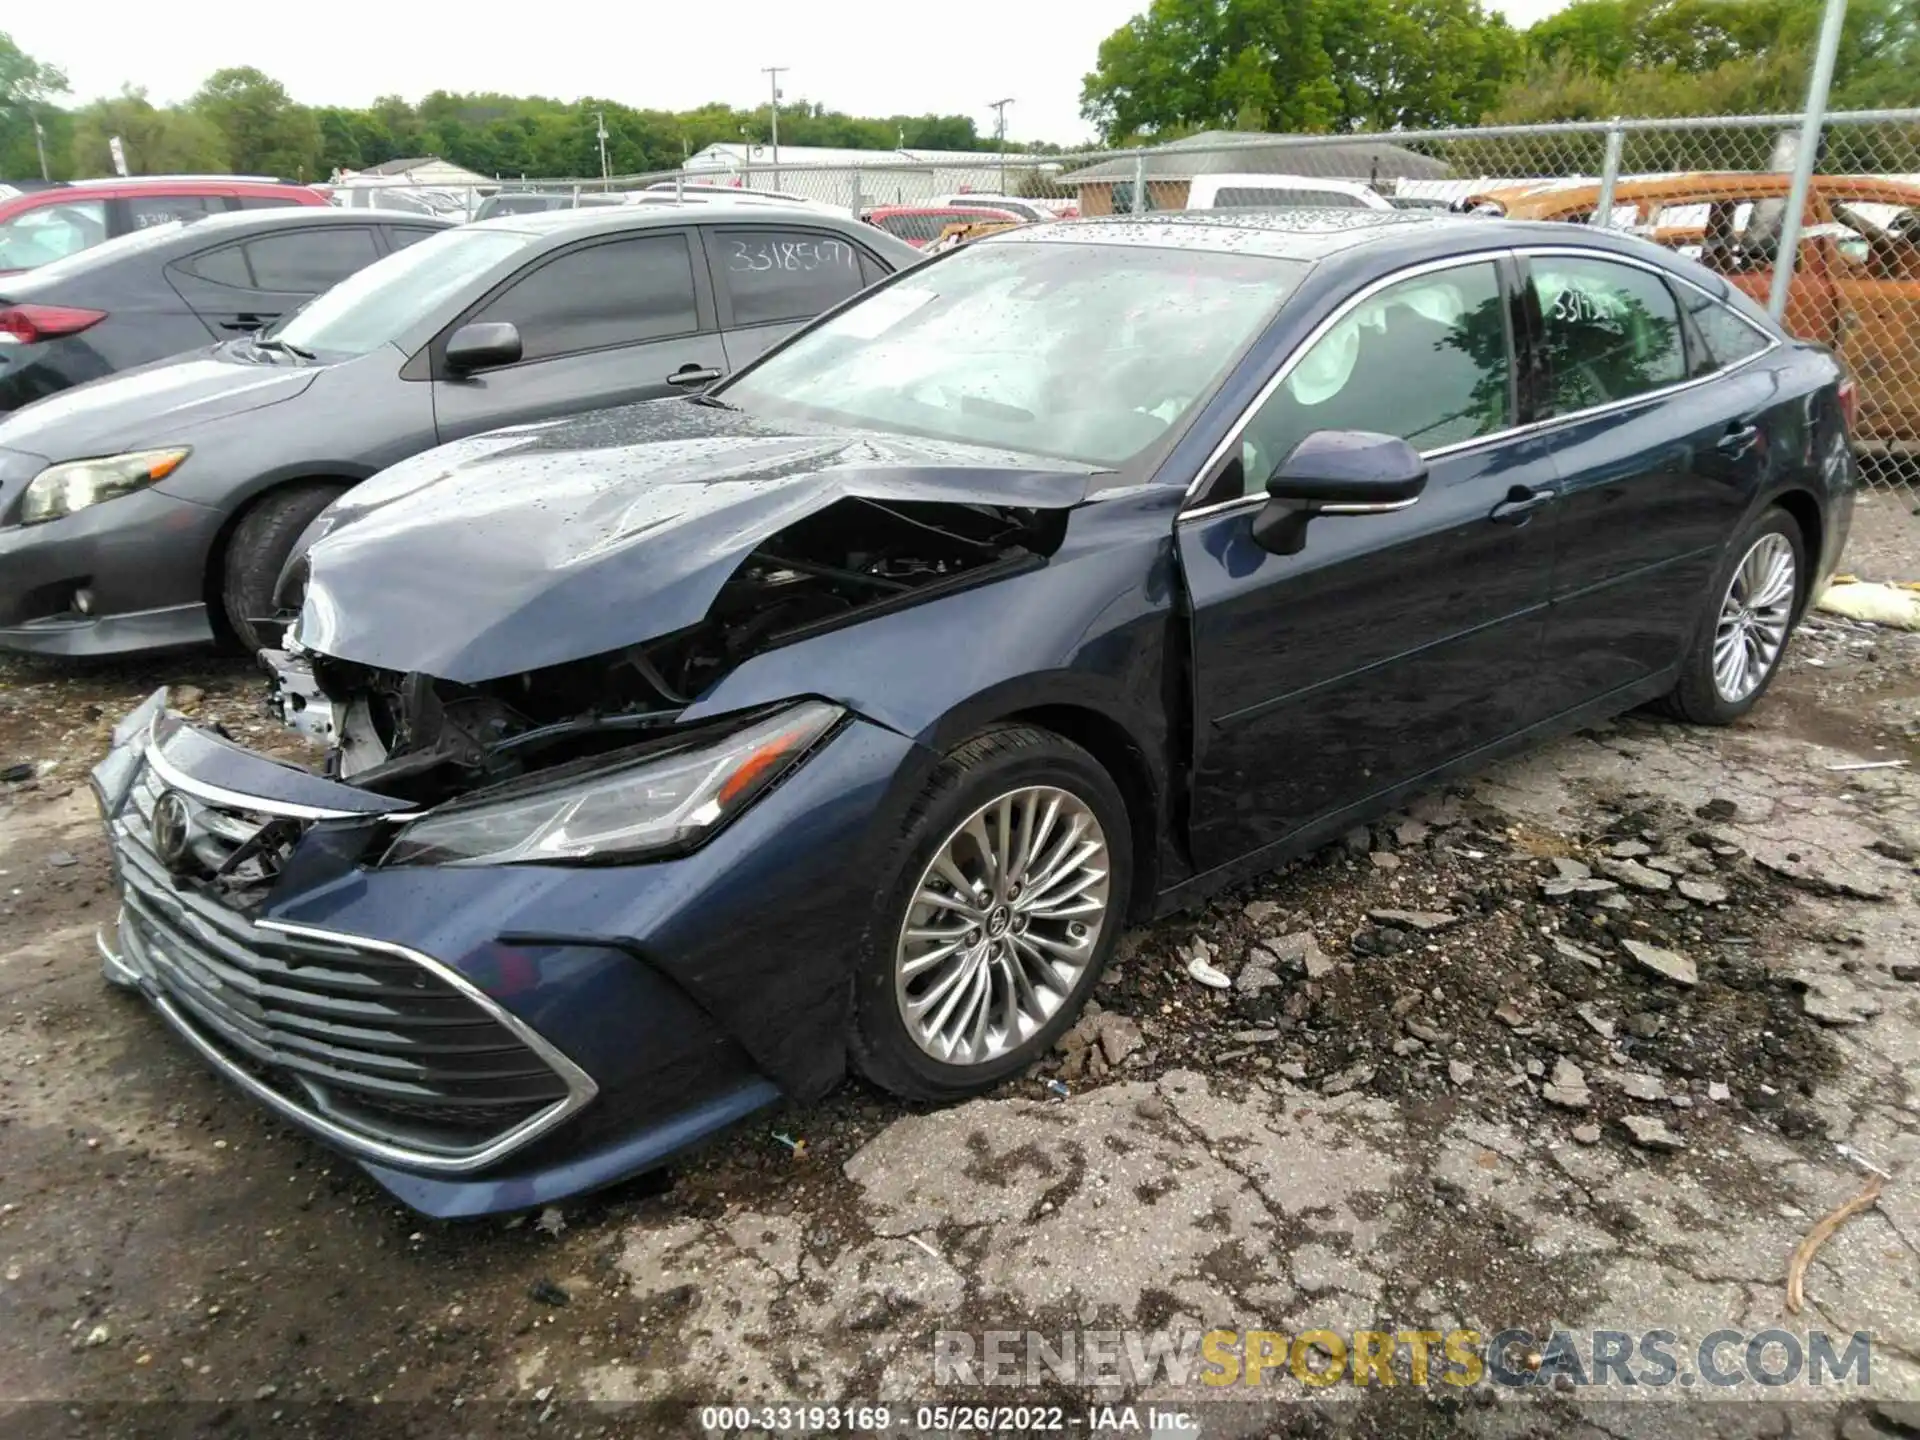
{"x":883,"y":177}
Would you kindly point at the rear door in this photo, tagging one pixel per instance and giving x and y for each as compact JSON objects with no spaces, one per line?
{"x":604,"y":322}
{"x":1392,"y":643}
{"x":246,"y":284}
{"x":771,"y":279}
{"x":1655,"y":465}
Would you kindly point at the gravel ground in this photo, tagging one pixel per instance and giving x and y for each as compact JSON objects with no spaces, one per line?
{"x":1571,"y":1045}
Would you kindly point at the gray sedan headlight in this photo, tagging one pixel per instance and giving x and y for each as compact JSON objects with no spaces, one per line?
{"x":663,"y":804}
{"x":62,"y":489}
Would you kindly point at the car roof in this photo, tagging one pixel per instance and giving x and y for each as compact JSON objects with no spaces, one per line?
{"x":1315,"y":235}
{"x":609,"y":219}
{"x":1300,"y":233}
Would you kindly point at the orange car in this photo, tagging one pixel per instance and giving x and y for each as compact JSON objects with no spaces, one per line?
{"x":1856,"y":285}
{"x":962,"y":231}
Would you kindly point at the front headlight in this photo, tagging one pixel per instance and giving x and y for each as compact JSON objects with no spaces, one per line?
{"x":62,"y":489}
{"x":668,"y":803}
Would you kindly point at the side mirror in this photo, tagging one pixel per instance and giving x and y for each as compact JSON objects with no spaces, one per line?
{"x":1336,"y":472}
{"x":482,"y":346}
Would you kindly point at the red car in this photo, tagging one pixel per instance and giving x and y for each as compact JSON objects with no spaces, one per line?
{"x":921,"y":225}
{"x":57,"y":220}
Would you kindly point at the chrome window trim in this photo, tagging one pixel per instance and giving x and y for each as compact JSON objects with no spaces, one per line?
{"x":1217,"y":456}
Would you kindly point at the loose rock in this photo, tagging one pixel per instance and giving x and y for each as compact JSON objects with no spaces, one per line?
{"x":1459,"y":1072}
{"x":1651,"y":1134}
{"x":1665,"y":963}
{"x":1632,"y":872}
{"x":1568,"y":1087}
{"x":1424,"y":921}
{"x":1704,"y":892}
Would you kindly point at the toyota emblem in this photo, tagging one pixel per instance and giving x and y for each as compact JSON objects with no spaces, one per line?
{"x":172,"y":831}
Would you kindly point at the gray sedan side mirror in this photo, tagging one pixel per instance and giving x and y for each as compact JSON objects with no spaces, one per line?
{"x":1336,"y":472}
{"x":482,"y":346}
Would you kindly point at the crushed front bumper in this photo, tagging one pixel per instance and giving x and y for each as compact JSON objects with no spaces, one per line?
{"x":483,"y":1038}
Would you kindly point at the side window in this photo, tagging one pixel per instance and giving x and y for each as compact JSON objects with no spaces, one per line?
{"x":309,"y":261}
{"x":1725,"y":339}
{"x":619,"y":293}
{"x":1426,"y":360}
{"x":784,"y":274}
{"x":1609,"y":332}
{"x":225,"y":266}
{"x":145,"y":210}
{"x":263,"y":202}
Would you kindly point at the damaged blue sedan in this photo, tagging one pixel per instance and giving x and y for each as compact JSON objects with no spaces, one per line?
{"x":683,"y":757}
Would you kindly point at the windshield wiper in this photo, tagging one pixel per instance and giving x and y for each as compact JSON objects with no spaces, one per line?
{"x":268,"y":343}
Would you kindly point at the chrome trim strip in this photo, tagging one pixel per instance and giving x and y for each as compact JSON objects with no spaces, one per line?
{"x":1384,"y":508}
{"x":580,"y":1085}
{"x":178,"y":779}
{"x":1514,"y":432}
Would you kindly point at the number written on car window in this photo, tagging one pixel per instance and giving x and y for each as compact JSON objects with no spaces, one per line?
{"x":752,"y":256}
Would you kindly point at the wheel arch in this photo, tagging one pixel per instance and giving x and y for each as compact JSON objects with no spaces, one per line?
{"x":245,"y":500}
{"x":1804,"y":508}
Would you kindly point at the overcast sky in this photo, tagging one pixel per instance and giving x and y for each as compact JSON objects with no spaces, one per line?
{"x":868,"y":57}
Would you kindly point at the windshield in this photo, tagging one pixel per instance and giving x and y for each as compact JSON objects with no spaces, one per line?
{"x":377,"y":305}
{"x":1086,"y":352}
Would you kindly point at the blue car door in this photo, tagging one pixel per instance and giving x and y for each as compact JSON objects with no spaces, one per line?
{"x":1656,"y":460}
{"x":1392,"y":643}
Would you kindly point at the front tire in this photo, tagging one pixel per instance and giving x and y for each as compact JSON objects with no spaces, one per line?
{"x":1756,"y":596}
{"x":1003,"y":896}
{"x":256,"y":551}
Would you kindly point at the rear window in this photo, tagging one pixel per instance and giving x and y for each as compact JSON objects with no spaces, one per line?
{"x":51,"y":232}
{"x":913,"y":225}
{"x":1269,"y":197}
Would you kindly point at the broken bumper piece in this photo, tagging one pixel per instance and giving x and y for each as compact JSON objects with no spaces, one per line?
{"x":479,"y":1039}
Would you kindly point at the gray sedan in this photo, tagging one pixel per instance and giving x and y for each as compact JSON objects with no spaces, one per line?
{"x":157,"y":507}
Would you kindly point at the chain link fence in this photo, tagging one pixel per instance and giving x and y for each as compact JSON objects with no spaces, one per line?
{"x":1713,"y":188}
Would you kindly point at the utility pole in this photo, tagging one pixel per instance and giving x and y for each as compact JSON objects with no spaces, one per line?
{"x":600,"y":124}
{"x":1805,"y":156}
{"x":40,"y":146}
{"x":999,"y":108}
{"x":773,"y":74}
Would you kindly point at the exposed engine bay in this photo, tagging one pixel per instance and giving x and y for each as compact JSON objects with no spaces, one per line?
{"x":426,"y":740}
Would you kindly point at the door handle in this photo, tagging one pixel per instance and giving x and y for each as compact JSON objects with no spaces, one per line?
{"x":693,"y":375}
{"x":248,"y":322}
{"x":1517,"y":509}
{"x":1738,"y":440}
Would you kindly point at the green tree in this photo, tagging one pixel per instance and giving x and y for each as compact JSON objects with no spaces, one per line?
{"x":28,"y":90}
{"x":1299,"y":65}
{"x":157,"y":142}
{"x":265,"y":132}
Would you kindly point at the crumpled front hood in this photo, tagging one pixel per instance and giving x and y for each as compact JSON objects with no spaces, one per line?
{"x":149,"y":405}
{"x":539,"y":545}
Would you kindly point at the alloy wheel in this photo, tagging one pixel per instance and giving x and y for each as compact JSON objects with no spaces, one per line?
{"x":1754,"y":618}
{"x":1002,"y":925}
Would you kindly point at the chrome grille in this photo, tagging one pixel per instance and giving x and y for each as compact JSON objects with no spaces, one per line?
{"x":378,"y":1046}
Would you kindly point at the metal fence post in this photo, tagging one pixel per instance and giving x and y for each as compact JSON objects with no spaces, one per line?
{"x":1609,"y":174}
{"x":1805,"y":157}
{"x":1139,"y":184}
{"x":855,"y":207}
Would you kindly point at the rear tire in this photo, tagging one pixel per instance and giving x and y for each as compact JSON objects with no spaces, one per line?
{"x":1740,"y":643}
{"x":256,"y":551}
{"x":1024,"y":949}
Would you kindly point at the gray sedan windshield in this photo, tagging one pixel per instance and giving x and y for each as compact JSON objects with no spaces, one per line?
{"x":1089,"y":352}
{"x":375,"y":306}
